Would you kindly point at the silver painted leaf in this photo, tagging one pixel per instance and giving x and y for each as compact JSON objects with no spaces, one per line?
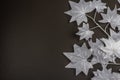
{"x":78,"y":11}
{"x":79,"y":59}
{"x":110,"y":17}
{"x":84,"y":32}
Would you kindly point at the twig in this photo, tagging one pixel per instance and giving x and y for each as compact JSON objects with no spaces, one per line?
{"x":106,"y":27}
{"x":94,"y":28}
{"x":95,"y":15}
{"x":98,"y":25}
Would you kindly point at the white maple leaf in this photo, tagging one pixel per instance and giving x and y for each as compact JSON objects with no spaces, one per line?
{"x":111,"y":48}
{"x":109,"y":16}
{"x":79,"y":58}
{"x":78,"y":11}
{"x":99,"y":6}
{"x":106,"y":74}
{"x":84,"y":32}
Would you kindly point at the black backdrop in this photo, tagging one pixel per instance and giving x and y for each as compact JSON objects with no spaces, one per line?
{"x":34,"y":34}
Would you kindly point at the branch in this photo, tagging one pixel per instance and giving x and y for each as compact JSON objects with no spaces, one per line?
{"x":98,"y":25}
{"x":106,"y":27}
{"x":94,"y":27}
{"x":95,"y":15}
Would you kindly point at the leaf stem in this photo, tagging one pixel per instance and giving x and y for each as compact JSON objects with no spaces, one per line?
{"x":106,"y":27}
{"x":94,"y":27}
{"x":95,"y":15}
{"x":114,"y":63}
{"x":98,"y":25}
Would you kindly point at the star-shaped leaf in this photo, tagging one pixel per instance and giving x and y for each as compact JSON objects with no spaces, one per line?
{"x":78,"y":11}
{"x":79,"y":59}
{"x":84,"y":32}
{"x":111,"y":14}
{"x":99,"y":6}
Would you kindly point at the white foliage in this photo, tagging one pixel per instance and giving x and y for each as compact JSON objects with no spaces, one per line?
{"x":114,"y":35}
{"x":104,"y":50}
{"x":78,"y":11}
{"x":106,"y":74}
{"x":79,"y":59}
{"x":111,"y":14}
{"x":84,"y":32}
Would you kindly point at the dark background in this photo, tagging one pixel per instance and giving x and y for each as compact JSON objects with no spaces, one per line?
{"x":34,"y":34}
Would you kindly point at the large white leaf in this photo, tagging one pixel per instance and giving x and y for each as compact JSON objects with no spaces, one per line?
{"x":84,"y":32}
{"x":79,"y":59}
{"x":78,"y":11}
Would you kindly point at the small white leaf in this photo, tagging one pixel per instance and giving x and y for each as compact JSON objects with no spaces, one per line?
{"x":84,"y":32}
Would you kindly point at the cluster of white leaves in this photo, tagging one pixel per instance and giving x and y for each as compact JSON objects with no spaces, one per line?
{"x":104,"y":50}
{"x":106,"y":74}
{"x":78,"y":10}
{"x":98,"y":55}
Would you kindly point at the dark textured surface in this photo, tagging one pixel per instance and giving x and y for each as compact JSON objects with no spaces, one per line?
{"x":34,"y":34}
